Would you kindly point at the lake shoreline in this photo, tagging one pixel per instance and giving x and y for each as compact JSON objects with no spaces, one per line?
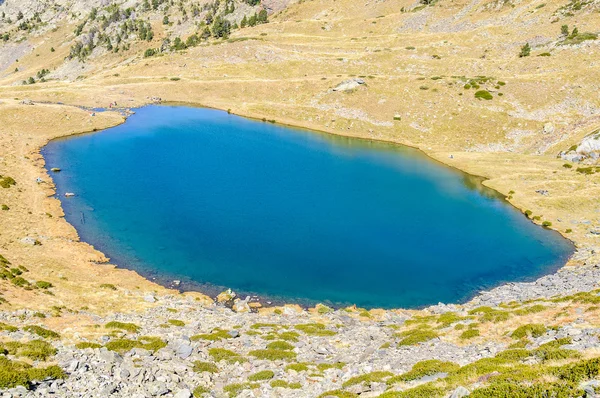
{"x":263,"y":298}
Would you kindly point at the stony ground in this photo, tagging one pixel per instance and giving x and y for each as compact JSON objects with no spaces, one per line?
{"x":181,"y":345}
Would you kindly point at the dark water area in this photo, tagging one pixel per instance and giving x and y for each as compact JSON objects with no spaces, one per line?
{"x":215,"y":200}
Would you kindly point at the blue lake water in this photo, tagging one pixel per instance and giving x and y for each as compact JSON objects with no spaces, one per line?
{"x":216,"y":200}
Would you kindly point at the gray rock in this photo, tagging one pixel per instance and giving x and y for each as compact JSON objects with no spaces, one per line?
{"x":460,"y":392}
{"x":149,"y":298}
{"x":28,"y":240}
{"x":349,"y":85}
{"x":184,"y":351}
{"x":109,"y":356}
{"x":185,"y":393}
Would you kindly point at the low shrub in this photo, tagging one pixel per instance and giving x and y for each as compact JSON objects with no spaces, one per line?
{"x":42,"y":332}
{"x":416,"y":336}
{"x":285,"y":384}
{"x":87,"y":344}
{"x":529,"y":330}
{"x":209,"y":367}
{"x":176,"y":322}
{"x":368,"y":378}
{"x":483,"y":94}
{"x":145,"y":342}
{"x":298,"y":367}
{"x":128,"y":327}
{"x":13,"y":374}
{"x":469,"y":334}
{"x":44,"y":284}
{"x":273,"y":355}
{"x":315,"y":329}
{"x":215,"y":335}
{"x":425,"y":368}
{"x":37,"y":350}
{"x":236,"y":388}
{"x":280,"y":345}
{"x":222,"y":354}
{"x":262,"y":375}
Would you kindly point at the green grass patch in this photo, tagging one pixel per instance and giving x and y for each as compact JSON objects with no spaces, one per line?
{"x":209,"y":367}
{"x":273,"y":355}
{"x":233,"y":390}
{"x":128,"y":327}
{"x":262,"y":375}
{"x":215,"y":335}
{"x":280,"y":345}
{"x":37,"y":350}
{"x":529,"y":330}
{"x":222,"y":354}
{"x":42,"y":332}
{"x":483,"y":94}
{"x":416,"y":336}
{"x":424,"y":368}
{"x":145,"y":342}
{"x":315,"y":329}
{"x":368,"y":378}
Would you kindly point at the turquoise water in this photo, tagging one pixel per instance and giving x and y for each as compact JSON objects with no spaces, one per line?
{"x":217,"y":200}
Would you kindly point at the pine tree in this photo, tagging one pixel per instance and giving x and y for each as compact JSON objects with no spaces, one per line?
{"x":244,"y":22}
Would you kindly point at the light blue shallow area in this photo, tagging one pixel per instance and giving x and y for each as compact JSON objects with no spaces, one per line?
{"x":216,"y":200}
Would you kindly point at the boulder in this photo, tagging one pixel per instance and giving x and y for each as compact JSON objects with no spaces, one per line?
{"x":349,"y":85}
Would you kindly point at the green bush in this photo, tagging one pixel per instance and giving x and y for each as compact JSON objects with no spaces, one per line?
{"x":209,"y":367}
{"x":368,"y":378}
{"x":215,"y":335}
{"x":262,"y":375}
{"x":483,"y":94}
{"x":315,"y":329}
{"x":416,"y":336}
{"x":34,"y":349}
{"x":531,"y":329}
{"x":425,"y":368}
{"x":13,"y":373}
{"x":5,"y":207}
{"x":150,"y":53}
{"x":280,"y":345}
{"x":525,"y":51}
{"x":298,"y":367}
{"x":8,"y":328}
{"x":469,"y":334}
{"x":285,"y":384}
{"x":44,"y":284}
{"x":236,"y":388}
{"x":7,"y":182}
{"x":546,"y":224}
{"x":222,"y":354}
{"x":200,"y":390}
{"x":273,"y":355}
{"x":87,"y":344}
{"x":145,"y":342}
{"x":176,"y":322}
{"x":108,"y":286}
{"x":128,"y":327}
{"x":40,"y":331}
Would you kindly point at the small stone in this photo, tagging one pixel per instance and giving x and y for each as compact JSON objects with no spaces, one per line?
{"x":149,"y":298}
{"x":185,"y":393}
{"x":184,"y":351}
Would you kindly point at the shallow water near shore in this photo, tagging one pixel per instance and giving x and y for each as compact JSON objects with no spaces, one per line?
{"x":216,"y":200}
